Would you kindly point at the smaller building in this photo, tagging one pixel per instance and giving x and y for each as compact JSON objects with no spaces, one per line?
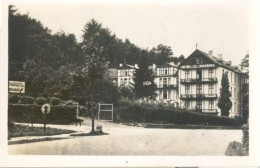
{"x":166,"y":80}
{"x":125,"y":74}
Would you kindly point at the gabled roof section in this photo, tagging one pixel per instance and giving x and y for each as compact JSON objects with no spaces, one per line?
{"x":127,"y":66}
{"x":166,"y":65}
{"x":211,"y":59}
{"x":199,"y":53}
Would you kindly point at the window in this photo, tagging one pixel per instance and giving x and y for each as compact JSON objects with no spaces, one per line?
{"x":125,"y":81}
{"x":169,"y":81}
{"x":198,"y":61}
{"x":199,"y":74}
{"x":169,"y":94}
{"x":177,"y":94}
{"x":211,"y":71}
{"x":165,"y":94}
{"x":125,"y":73}
{"x":187,"y":74}
{"x":211,"y":89}
{"x":211,"y":105}
{"x":199,"y":104}
{"x":164,"y":81}
{"x":165,"y":71}
{"x":199,"y":89}
{"x":160,"y":95}
{"x":231,"y":91}
{"x":187,"y":89}
{"x":187,"y":104}
{"x":160,"y":71}
{"x":235,"y":92}
{"x":235,"y":107}
{"x":121,"y":81}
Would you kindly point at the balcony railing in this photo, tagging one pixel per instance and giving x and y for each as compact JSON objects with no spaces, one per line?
{"x":167,"y":86}
{"x":198,"y":80}
{"x":198,"y":96}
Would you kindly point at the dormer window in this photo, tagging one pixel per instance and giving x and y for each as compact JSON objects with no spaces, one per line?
{"x":198,"y":60}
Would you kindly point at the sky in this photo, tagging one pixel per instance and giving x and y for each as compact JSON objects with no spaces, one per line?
{"x":221,"y":27}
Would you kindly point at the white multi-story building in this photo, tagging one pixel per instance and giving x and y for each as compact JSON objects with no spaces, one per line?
{"x":126,"y":74}
{"x":194,"y":84}
{"x":166,"y":80}
{"x":200,"y":82}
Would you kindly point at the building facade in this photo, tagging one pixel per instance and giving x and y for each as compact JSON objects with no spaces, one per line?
{"x":166,"y":80}
{"x":200,"y":82}
{"x":126,"y":74}
{"x":194,"y":84}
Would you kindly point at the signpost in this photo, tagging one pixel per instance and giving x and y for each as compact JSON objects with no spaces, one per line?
{"x":45,"y":110}
{"x":16,"y":87}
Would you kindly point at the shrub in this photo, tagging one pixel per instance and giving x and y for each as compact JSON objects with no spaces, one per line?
{"x":60,"y":114}
{"x":41,"y":100}
{"x":137,"y":112}
{"x":13,"y":98}
{"x":245,"y":140}
{"x":55,"y":101}
{"x":26,"y":100}
{"x":70,"y":102}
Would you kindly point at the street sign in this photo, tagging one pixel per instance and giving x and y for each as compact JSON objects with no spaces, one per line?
{"x":16,"y":87}
{"x":46,"y":109}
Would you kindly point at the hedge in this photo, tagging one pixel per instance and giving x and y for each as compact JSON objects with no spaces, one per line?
{"x":136,"y":112}
{"x":59,"y":114}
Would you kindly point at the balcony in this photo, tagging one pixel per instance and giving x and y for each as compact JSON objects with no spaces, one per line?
{"x":199,"y":80}
{"x":198,"y":96}
{"x":167,"y":86}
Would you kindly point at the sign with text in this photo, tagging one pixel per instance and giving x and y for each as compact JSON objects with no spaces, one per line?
{"x":16,"y":87}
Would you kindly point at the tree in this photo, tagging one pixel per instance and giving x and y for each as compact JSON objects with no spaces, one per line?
{"x":144,"y":85}
{"x":95,"y":61}
{"x":224,"y":102}
{"x":244,"y":65}
{"x":245,"y":100}
{"x":162,"y":53}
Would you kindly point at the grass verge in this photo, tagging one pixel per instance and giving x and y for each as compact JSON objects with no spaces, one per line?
{"x":23,"y":130}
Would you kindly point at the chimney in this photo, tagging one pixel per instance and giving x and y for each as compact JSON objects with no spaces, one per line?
{"x":210,"y":52}
{"x":136,"y":66}
{"x":229,"y":63}
{"x":220,"y":56}
{"x":120,"y":65}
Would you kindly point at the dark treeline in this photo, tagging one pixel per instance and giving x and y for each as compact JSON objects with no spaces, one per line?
{"x":56,"y":63}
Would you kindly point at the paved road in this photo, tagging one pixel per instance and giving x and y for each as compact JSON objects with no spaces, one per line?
{"x":137,"y":141}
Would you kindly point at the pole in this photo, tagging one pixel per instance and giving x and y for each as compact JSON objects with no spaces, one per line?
{"x":91,"y":108}
{"x":45,"y":111}
{"x":44,"y":122}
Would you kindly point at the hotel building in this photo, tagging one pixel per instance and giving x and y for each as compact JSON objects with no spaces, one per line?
{"x":200,"y":81}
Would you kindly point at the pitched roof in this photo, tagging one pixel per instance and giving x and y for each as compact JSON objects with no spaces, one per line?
{"x":163,"y":65}
{"x":215,"y":60}
{"x":127,"y":66}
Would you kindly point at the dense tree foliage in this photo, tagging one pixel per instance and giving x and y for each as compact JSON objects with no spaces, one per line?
{"x":144,"y":85}
{"x":244,"y":65}
{"x":56,"y":64}
{"x":224,"y":102}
